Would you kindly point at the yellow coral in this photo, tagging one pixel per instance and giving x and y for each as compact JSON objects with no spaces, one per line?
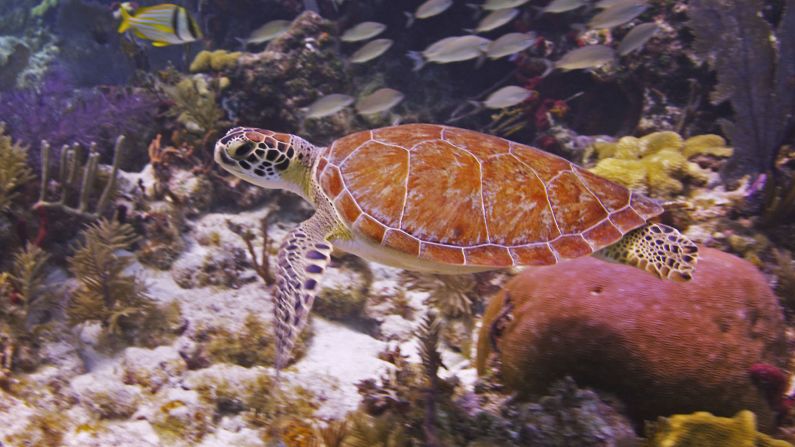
{"x":214,"y":60}
{"x":14,"y":170}
{"x":656,"y":163}
{"x":702,"y":429}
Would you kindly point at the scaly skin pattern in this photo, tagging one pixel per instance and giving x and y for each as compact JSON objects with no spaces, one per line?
{"x":427,"y":195}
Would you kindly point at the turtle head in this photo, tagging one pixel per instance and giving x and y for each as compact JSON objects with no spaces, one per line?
{"x":265,"y":158}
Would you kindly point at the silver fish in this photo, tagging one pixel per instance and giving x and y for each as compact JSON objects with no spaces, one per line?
{"x":371,"y":50}
{"x":637,"y":37}
{"x":559,"y":6}
{"x":493,"y":5}
{"x":328,"y":105}
{"x":496,"y":19}
{"x":507,"y":97}
{"x":268,"y":31}
{"x":362,"y":31}
{"x":428,"y":9}
{"x":616,"y":16}
{"x":510,"y":43}
{"x":380,"y":100}
{"x":451,"y":49}
{"x":604,"y":4}
{"x":591,"y":56}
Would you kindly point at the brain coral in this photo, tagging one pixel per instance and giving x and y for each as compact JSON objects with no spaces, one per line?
{"x":663,"y":347}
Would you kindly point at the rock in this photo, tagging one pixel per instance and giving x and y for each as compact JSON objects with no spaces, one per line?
{"x":152,"y":368}
{"x":662,"y":347}
{"x":293,"y":71}
{"x":179,"y":416}
{"x":229,"y":386}
{"x":570,"y":417}
{"x":344,"y":290}
{"x":225,"y":265}
{"x":125,"y":434}
{"x":105,"y":395}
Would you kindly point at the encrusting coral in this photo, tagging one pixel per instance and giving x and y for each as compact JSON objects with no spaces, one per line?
{"x":702,"y":429}
{"x":662,"y":347}
{"x":217,"y":60}
{"x":656,"y":163}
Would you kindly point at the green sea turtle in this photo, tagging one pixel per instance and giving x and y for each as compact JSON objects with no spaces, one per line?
{"x":441,"y":199}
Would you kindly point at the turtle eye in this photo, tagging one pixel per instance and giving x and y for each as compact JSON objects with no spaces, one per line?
{"x":242,"y":150}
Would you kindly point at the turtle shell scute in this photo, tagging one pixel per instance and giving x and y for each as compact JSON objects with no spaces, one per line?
{"x":459,"y":197}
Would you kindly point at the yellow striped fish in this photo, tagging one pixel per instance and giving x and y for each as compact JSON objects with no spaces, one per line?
{"x":164,"y":24}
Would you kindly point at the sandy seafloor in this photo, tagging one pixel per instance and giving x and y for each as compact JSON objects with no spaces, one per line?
{"x":337,"y":357}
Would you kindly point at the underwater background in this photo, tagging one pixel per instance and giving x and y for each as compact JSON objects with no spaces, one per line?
{"x":137,"y":276}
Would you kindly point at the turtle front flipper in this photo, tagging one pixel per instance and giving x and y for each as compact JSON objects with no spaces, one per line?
{"x":658,"y":249}
{"x":303,"y":258}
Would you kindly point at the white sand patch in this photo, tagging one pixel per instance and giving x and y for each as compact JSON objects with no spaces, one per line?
{"x":337,"y":359}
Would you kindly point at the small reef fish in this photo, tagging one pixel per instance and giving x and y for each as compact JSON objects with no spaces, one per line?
{"x":267,"y":32}
{"x":328,"y":105}
{"x":637,"y":37}
{"x":507,"y":97}
{"x":604,"y":4}
{"x":451,"y":49}
{"x":363,"y":31}
{"x":380,"y":100}
{"x":494,"y":5}
{"x":510,"y":43}
{"x":496,"y":19}
{"x":428,"y":9}
{"x":164,"y":24}
{"x":559,"y":6}
{"x":591,"y":56}
{"x":371,"y":50}
{"x":616,"y":16}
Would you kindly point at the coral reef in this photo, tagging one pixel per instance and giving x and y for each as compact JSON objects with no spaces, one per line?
{"x":657,"y":163}
{"x":293,"y":71}
{"x":662,"y":347}
{"x":73,"y":182}
{"x":218,"y":60}
{"x":754,"y":72}
{"x":63,"y":115}
{"x":14,"y":170}
{"x":702,"y":429}
{"x":107,"y":295}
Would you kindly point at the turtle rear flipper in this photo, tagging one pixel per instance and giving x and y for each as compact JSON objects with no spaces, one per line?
{"x":658,"y":249}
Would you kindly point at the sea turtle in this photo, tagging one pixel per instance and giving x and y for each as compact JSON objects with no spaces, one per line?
{"x":441,"y":199}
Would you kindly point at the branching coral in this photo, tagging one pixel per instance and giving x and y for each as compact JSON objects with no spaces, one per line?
{"x":456,"y":297}
{"x":453,"y":295}
{"x":14,"y":170}
{"x":74,"y":182}
{"x":656,"y":163}
{"x":755,"y":68}
{"x":105,"y":293}
{"x":261,"y":263}
{"x":702,"y":429}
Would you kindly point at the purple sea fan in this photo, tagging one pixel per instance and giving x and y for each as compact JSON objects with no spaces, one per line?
{"x":61,"y":114}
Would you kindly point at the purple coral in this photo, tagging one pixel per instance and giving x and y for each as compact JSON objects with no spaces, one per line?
{"x":62,"y":114}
